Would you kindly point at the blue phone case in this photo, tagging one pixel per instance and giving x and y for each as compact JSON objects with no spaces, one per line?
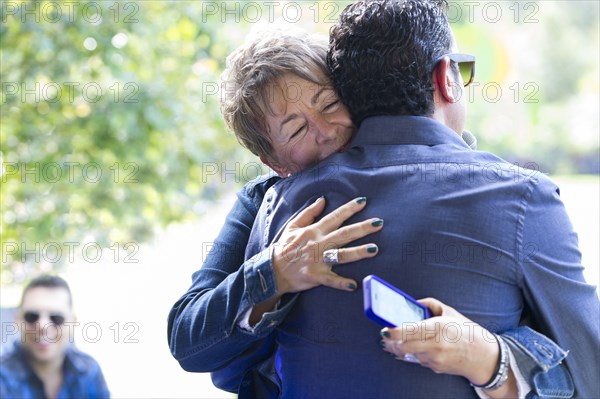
{"x":367,"y":281}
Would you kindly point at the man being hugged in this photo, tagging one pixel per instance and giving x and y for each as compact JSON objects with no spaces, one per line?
{"x":493,"y":244}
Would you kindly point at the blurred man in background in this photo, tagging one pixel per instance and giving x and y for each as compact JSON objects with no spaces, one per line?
{"x":44,"y":363}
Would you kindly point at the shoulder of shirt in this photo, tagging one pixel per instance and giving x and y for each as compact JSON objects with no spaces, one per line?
{"x":11,"y":350}
{"x":83,"y":362}
{"x":529,"y":173}
{"x":11,"y":361}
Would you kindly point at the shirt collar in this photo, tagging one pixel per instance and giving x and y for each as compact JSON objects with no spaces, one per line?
{"x":21,"y":367}
{"x":71,"y":361}
{"x":396,"y":130}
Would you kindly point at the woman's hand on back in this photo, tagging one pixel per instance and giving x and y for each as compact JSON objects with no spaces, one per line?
{"x":298,"y":258}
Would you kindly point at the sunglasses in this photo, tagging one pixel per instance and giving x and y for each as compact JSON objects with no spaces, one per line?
{"x":56,"y":318}
{"x":466,"y":65}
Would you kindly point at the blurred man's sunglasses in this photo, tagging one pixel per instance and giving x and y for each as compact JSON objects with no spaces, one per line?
{"x":466,"y":65}
{"x":32,"y":317}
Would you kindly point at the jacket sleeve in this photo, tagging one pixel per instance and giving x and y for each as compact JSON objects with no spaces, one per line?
{"x":203,"y":325}
{"x":560,"y":303}
{"x":253,"y":373}
{"x":540,"y":363}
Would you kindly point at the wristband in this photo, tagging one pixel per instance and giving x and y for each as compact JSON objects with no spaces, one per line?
{"x":501,"y":375}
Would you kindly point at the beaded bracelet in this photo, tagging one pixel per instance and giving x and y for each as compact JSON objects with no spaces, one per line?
{"x":501,"y":375}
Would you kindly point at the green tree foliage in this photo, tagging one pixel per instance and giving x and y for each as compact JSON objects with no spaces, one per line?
{"x":109,"y":124}
{"x":536,"y":97}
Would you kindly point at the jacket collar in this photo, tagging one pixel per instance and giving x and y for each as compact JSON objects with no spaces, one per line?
{"x":420,"y":130}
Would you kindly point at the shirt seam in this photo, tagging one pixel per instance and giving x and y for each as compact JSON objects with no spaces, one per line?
{"x":520,"y":228}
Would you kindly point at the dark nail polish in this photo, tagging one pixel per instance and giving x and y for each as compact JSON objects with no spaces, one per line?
{"x":352,"y":286}
{"x":361,"y":200}
{"x":382,"y":344}
{"x":385,"y":334}
{"x":377,"y":223}
{"x":372,"y":249}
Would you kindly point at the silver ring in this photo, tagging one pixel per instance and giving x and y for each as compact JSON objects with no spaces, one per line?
{"x":409,"y":357}
{"x":331,"y":256}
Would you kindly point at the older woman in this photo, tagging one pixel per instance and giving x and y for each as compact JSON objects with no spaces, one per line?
{"x":284,"y":109}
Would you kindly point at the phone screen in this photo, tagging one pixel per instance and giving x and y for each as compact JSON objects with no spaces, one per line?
{"x":393,"y":307}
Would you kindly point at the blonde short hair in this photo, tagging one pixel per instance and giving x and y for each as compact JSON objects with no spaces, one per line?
{"x":254,"y":67}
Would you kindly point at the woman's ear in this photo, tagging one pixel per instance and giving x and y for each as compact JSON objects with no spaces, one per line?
{"x":444,"y":82}
{"x":271,"y":163}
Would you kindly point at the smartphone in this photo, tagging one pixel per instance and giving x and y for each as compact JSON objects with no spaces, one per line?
{"x":389,"y":306}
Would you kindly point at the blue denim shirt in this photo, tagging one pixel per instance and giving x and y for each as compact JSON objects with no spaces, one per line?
{"x":82,"y":378}
{"x":203,"y":329}
{"x":484,"y":236}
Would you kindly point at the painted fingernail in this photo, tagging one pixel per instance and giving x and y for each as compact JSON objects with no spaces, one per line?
{"x":352,"y":286}
{"x":372,"y":249}
{"x":385,"y":334}
{"x":361,"y":200}
{"x":382,"y":344}
{"x":377,"y":223}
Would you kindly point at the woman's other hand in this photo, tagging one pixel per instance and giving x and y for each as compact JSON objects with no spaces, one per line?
{"x":447,"y":343}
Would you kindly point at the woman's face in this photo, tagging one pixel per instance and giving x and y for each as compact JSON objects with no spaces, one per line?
{"x":308,"y":123}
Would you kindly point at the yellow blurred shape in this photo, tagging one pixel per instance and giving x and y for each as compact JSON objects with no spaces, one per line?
{"x":83,"y":109}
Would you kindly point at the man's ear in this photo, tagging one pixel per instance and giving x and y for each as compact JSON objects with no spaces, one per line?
{"x":444,"y":82}
{"x":281,"y":171}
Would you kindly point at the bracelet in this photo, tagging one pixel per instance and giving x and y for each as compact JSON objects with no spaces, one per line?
{"x":501,"y":375}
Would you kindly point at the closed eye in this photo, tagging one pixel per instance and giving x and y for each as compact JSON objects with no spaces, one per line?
{"x":331,"y":105}
{"x":297,"y":132}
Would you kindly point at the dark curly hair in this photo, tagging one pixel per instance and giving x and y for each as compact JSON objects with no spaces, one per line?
{"x":382,"y":54}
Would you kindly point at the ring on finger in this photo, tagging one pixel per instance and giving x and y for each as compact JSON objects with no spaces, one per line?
{"x":409,"y":357}
{"x":331,"y":256}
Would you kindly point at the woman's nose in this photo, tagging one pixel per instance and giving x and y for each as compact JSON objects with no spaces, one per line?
{"x":324,"y":131}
